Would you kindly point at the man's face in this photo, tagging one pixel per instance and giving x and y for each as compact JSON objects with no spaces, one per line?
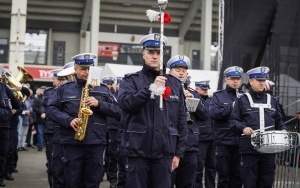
{"x":233,"y":82}
{"x":56,"y":82}
{"x":152,"y":58}
{"x":82,"y":72}
{"x":179,"y":72}
{"x":201,"y":91}
{"x":257,"y":85}
{"x":109,"y":85}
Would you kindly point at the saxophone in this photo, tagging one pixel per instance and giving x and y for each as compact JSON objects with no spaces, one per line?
{"x":83,"y":114}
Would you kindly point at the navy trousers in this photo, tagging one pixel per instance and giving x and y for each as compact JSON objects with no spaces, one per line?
{"x":185,"y":175}
{"x":58,"y":179}
{"x":112,"y":166}
{"x":206,"y":161}
{"x":49,"y":150}
{"x":228,"y":166}
{"x":258,"y":170}
{"x":4,"y":144}
{"x":12,"y":154}
{"x":83,"y":165}
{"x":148,"y":173}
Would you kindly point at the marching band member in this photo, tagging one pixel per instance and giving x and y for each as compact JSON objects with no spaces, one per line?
{"x":121,"y":153}
{"x":57,"y":165}
{"x":9,"y":105}
{"x":206,"y":156}
{"x":257,"y":169}
{"x":111,"y":162}
{"x":227,"y":153}
{"x":185,"y":175}
{"x":49,"y":126}
{"x":83,"y":159}
{"x":154,"y":137}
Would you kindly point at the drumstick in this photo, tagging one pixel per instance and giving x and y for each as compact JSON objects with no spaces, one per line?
{"x":260,"y":129}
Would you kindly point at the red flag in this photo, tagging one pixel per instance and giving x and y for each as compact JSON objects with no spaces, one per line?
{"x":167,"y":92}
{"x":167,"y":18}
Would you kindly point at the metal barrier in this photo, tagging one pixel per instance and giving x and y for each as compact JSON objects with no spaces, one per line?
{"x":288,"y":165}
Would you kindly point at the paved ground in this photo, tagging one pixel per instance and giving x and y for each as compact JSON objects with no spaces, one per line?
{"x":32,"y":171}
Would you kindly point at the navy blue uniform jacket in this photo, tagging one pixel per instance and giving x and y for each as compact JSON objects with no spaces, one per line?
{"x":151,"y":132}
{"x":198,"y":116}
{"x":49,"y":126}
{"x":243,"y":115}
{"x":7,"y":102}
{"x":220,"y":108}
{"x":207,"y":132}
{"x":63,"y":107}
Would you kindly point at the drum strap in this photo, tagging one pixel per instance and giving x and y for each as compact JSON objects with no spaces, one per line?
{"x":261,"y":108}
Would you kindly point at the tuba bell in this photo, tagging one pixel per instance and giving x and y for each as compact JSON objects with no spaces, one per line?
{"x":22,"y":77}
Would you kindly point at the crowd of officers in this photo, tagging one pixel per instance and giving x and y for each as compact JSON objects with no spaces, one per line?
{"x":142,"y":135}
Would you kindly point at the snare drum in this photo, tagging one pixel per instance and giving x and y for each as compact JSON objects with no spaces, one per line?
{"x":271,"y":141}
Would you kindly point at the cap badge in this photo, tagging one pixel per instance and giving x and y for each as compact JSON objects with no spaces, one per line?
{"x":237,"y":69}
{"x":86,"y":57}
{"x":157,"y":37}
{"x":263,"y":69}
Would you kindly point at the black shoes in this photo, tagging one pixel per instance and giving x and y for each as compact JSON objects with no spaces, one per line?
{"x":8,"y":176}
{"x":2,"y":184}
{"x":22,"y":149}
{"x":40,"y":149}
{"x":30,"y":146}
{"x":113,"y":185}
{"x":15,"y":170}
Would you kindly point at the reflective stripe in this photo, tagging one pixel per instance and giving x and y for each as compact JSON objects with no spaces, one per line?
{"x":261,"y":108}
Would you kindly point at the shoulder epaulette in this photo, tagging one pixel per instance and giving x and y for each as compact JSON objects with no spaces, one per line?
{"x":65,"y":83}
{"x":49,"y":88}
{"x":131,"y":74}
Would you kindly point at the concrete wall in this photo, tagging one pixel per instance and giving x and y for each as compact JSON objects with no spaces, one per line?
{"x":79,"y":42}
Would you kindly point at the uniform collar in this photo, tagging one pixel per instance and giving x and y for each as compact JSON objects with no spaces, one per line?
{"x":230,"y":89}
{"x":150,"y":72}
{"x":256,"y":94}
{"x":79,"y":81}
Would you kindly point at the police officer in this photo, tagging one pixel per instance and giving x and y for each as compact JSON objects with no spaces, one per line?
{"x":57,"y":166}
{"x":155,"y":137}
{"x":111,"y":152}
{"x":220,"y":108}
{"x":49,"y":126}
{"x":121,"y":153}
{"x":185,"y":175}
{"x":257,"y":169}
{"x":83,"y":159}
{"x":9,"y":105}
{"x":206,"y":156}
{"x":67,"y":71}
{"x":12,"y":154}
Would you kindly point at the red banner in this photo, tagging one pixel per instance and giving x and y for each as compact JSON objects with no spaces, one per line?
{"x":39,"y":73}
{"x":108,"y":49}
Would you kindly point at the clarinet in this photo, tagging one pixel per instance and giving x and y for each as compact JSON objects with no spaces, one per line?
{"x":188,"y":115}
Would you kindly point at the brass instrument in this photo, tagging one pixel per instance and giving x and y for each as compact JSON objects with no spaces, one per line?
{"x":22,"y":77}
{"x":83,"y":114}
